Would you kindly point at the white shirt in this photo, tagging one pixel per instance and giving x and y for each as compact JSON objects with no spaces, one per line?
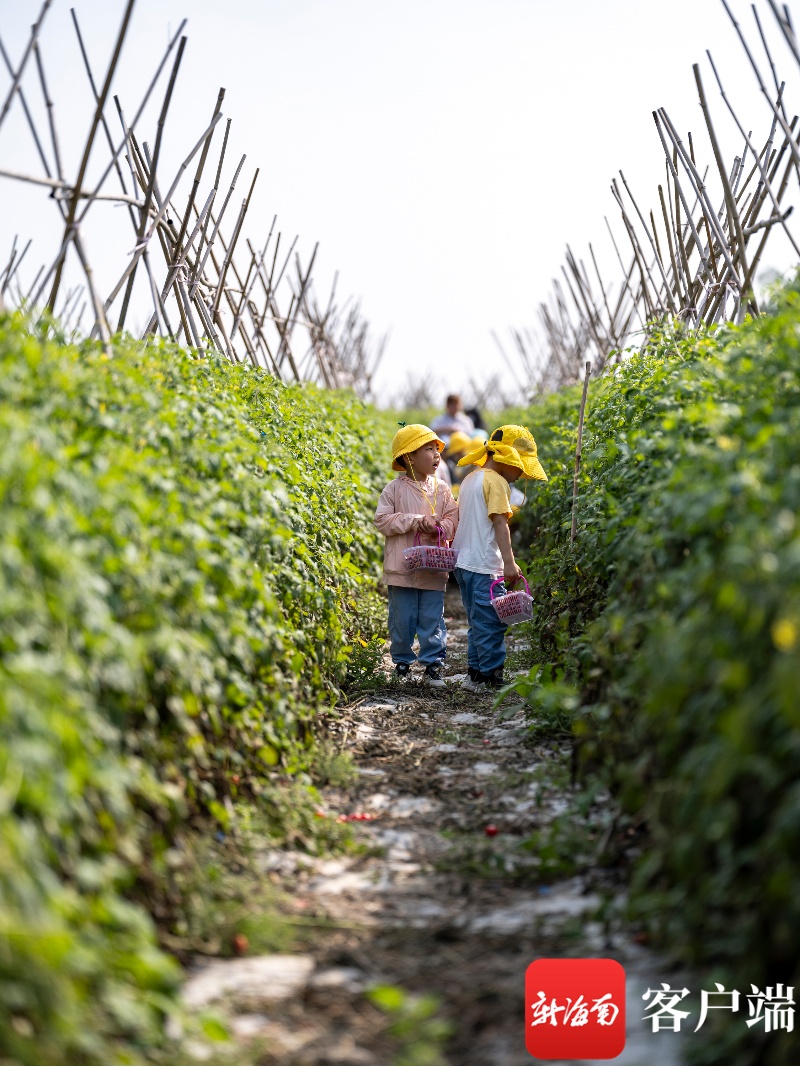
{"x":448,"y":423}
{"x":483,"y":494}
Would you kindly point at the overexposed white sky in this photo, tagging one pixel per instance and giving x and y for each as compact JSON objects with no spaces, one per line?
{"x":443,"y":152}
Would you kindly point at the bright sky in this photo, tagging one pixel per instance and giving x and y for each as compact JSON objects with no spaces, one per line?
{"x":443,"y":152}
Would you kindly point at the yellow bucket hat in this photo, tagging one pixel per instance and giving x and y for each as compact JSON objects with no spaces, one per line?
{"x":409,"y":439}
{"x":459,"y":442}
{"x":509,"y":444}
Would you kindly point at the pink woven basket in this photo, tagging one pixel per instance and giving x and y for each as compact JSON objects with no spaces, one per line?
{"x":512,"y":607}
{"x":430,"y":557}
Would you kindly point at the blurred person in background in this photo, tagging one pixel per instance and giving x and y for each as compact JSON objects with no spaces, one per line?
{"x":477,"y":419}
{"x":454,"y":418}
{"x":458,"y":445}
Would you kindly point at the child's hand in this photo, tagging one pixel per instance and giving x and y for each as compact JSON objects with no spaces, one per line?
{"x":511,"y":574}
{"x":428,"y":525}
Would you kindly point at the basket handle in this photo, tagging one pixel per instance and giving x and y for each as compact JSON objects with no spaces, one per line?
{"x":497,"y":581}
{"x":418,"y":537}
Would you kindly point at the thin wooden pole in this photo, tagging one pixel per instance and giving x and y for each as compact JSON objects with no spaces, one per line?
{"x":124,"y":142}
{"x":69,"y":226}
{"x":762,"y":167}
{"x":144,"y":217}
{"x":18,"y":75}
{"x":574,"y":529}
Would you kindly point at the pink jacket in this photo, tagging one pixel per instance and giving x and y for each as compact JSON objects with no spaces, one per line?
{"x":401,"y":507}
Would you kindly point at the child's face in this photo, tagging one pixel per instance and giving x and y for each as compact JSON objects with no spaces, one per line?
{"x":425,"y":460}
{"x":508,"y":472}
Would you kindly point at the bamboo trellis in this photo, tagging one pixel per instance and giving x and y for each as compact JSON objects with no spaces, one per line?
{"x":693,"y":258}
{"x":203,"y":282}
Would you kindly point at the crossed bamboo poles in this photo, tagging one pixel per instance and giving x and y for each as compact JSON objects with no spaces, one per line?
{"x":208,"y":284}
{"x":692,"y":259}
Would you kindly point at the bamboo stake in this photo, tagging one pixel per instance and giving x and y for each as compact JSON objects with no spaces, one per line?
{"x":274,"y":283}
{"x":650,"y":305}
{"x":228,"y":297}
{"x":134,"y":160}
{"x":627,"y":274}
{"x":605,"y":297}
{"x":17,"y":262}
{"x":595,"y":310}
{"x":256,"y":263}
{"x":200,"y":268}
{"x":590,"y":317}
{"x":177,"y":263}
{"x":759,"y":79}
{"x":574,"y":527}
{"x":160,"y":309}
{"x":785,"y":23}
{"x":149,"y":191}
{"x":659,"y":264}
{"x":162,"y":210}
{"x":123,"y":143}
{"x":73,"y":204}
{"x":28,"y":116}
{"x":12,"y":257}
{"x":26,"y":299}
{"x":679,"y":190}
{"x":26,"y":56}
{"x":55,"y":184}
{"x":769,"y":59}
{"x":760,"y":195}
{"x":232,"y":246}
{"x":759,"y":164}
{"x":733,"y":214}
{"x":106,"y":130}
{"x":699,"y":183}
{"x":140,"y":174}
{"x":99,"y":310}
{"x":198,"y":175}
{"x":289,"y":325}
{"x":48,"y":103}
{"x":781,"y":191}
{"x":716,"y":307}
{"x":675,"y":273}
{"x":220,"y":161}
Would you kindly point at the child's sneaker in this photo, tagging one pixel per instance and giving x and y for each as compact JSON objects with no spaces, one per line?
{"x":402,"y":671}
{"x":474,"y":682}
{"x":433,"y":676}
{"x":494,"y":680}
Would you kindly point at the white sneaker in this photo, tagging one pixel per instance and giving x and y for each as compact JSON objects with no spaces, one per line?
{"x":472,"y":685}
{"x":433,"y":676}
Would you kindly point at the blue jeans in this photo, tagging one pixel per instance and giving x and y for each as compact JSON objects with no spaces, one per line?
{"x":486,"y":646}
{"x":417,"y":613}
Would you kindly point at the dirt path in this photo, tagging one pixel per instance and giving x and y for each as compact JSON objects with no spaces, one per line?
{"x":432,"y":905}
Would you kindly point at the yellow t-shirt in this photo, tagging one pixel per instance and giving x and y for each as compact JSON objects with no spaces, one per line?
{"x":496,"y":494}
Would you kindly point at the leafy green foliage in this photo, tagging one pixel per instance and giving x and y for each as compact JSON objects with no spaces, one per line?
{"x":184,"y":548}
{"x":677,"y":619}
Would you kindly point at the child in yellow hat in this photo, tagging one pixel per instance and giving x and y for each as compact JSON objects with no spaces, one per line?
{"x":457,"y":446}
{"x":416,"y":502}
{"x":484,"y":547}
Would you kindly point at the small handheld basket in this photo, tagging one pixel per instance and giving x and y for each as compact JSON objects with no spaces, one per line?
{"x":512,"y":607}
{"x":430,"y":557}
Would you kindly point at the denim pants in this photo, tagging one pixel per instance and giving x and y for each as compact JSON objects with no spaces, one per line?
{"x":486,"y":646}
{"x":417,"y":613}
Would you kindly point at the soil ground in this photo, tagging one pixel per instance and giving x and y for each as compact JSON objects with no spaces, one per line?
{"x":431,"y":906}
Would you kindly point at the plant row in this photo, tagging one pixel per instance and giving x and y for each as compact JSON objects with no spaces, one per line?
{"x":670,"y":633}
{"x":186,"y":564}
